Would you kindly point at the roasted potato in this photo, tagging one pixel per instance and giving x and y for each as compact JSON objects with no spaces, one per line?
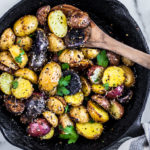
{"x":7,"y":60}
{"x":57,"y":23}
{"x":86,"y":87}
{"x":55,"y":43}
{"x":49,"y":135}
{"x":49,"y":77}
{"x":98,"y":89}
{"x":75,"y":100}
{"x":65,"y":120}
{"x":71,"y":56}
{"x":42,"y":14}
{"x":19,"y":55}
{"x":25,"y":42}
{"x":51,"y":118}
{"x":97,"y":113}
{"x":113,"y":58}
{"x":79,"y":114}
{"x":22,"y":89}
{"x":129,"y":75}
{"x":6,"y":83}
{"x":116,"y":110}
{"x":27,"y":74}
{"x":53,"y":91}
{"x":90,"y":53}
{"x":78,"y":19}
{"x":55,"y":105}
{"x":95,"y":74}
{"x":102,"y":101}
{"x":89,"y":130}
{"x":5,"y":68}
{"x":25,"y":25}
{"x":127,"y":62}
{"x":114,"y":76}
{"x":7,"y":39}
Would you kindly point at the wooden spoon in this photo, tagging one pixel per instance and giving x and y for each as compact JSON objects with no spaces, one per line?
{"x":99,"y":39}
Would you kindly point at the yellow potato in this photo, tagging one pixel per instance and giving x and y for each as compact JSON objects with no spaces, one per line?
{"x":98,"y":88}
{"x":25,"y":25}
{"x":49,"y":77}
{"x":19,"y":55}
{"x":71,"y":56}
{"x":97,"y":113}
{"x":89,"y":130}
{"x":24,"y":42}
{"x":7,"y":39}
{"x":90,"y":53}
{"x":57,"y":23}
{"x":127,"y":62}
{"x":27,"y":74}
{"x":48,"y":135}
{"x":7,"y":60}
{"x":55,"y":43}
{"x":22,"y":88}
{"x":75,"y":100}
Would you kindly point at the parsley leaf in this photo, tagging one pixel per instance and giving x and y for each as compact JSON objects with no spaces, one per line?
{"x":14,"y":84}
{"x":19,"y":42}
{"x":59,"y":53}
{"x":18,"y":59}
{"x":69,"y":133}
{"x":65,"y":66}
{"x":102,"y":59}
{"x":64,"y":81}
{"x":106,"y":86}
{"x":67,"y":109}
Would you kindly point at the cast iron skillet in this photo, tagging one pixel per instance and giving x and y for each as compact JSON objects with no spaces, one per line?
{"x":104,"y":13}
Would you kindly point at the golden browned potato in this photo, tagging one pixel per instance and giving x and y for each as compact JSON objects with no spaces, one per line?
{"x":7,"y":39}
{"x":7,"y":60}
{"x":55,"y":105}
{"x":6,"y":83}
{"x":130,"y":78}
{"x":75,"y":100}
{"x":86,"y":87}
{"x":90,"y":53}
{"x":127,"y":62}
{"x":25,"y":25}
{"x":27,"y":74}
{"x":55,"y":43}
{"x":89,"y":130}
{"x":25,"y":42}
{"x":22,"y":88}
{"x":79,"y":114}
{"x":116,"y":110}
{"x":71,"y":56}
{"x":62,"y":100}
{"x":57,"y":23}
{"x":49,"y":135}
{"x":51,"y":118}
{"x":98,"y":88}
{"x":97,"y":113}
{"x":53,"y":91}
{"x":65,"y":120}
{"x":5,"y":68}
{"x":19,"y":55}
{"x":49,"y":77}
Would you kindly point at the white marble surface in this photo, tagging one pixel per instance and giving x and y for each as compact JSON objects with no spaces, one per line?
{"x":139,"y":9}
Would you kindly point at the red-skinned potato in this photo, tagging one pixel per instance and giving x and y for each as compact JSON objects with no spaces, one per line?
{"x":113,"y":58}
{"x":38,"y":127}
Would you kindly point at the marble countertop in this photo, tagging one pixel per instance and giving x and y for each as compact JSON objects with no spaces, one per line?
{"x":139,"y":9}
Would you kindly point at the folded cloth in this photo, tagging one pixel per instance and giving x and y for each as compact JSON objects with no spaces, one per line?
{"x":138,"y":143}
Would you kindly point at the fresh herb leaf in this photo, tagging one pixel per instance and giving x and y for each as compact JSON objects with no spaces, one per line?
{"x":31,"y":35}
{"x":59,"y":53}
{"x":106,"y":86}
{"x":70,"y":134}
{"x":19,"y":42}
{"x":96,"y":80}
{"x":65,"y":66}
{"x":14,"y":84}
{"x":64,"y":81}
{"x":91,"y":121}
{"x":67,"y":109}
{"x":18,"y":59}
{"x":102,"y":59}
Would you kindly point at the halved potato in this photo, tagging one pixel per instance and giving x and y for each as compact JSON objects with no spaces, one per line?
{"x":48,"y":135}
{"x":127,"y":61}
{"x":89,"y":130}
{"x":57,"y":23}
{"x":75,"y":100}
{"x":7,"y":60}
{"x":27,"y":74}
{"x":7,"y":39}
{"x":97,"y":113}
{"x":90,"y":53}
{"x":98,"y":88}
{"x":19,"y":55}
{"x":86,"y":88}
{"x":6,"y":83}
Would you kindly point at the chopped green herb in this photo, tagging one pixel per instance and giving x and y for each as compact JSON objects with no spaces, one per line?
{"x":106,"y":86}
{"x":31,"y":35}
{"x":67,"y":109}
{"x":91,"y":121}
{"x":69,"y":133}
{"x":96,"y":80}
{"x":18,"y":59}
{"x":65,"y":66}
{"x":14,"y":84}
{"x":59,"y":53}
{"x":19,"y":42}
{"x":102,"y":59}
